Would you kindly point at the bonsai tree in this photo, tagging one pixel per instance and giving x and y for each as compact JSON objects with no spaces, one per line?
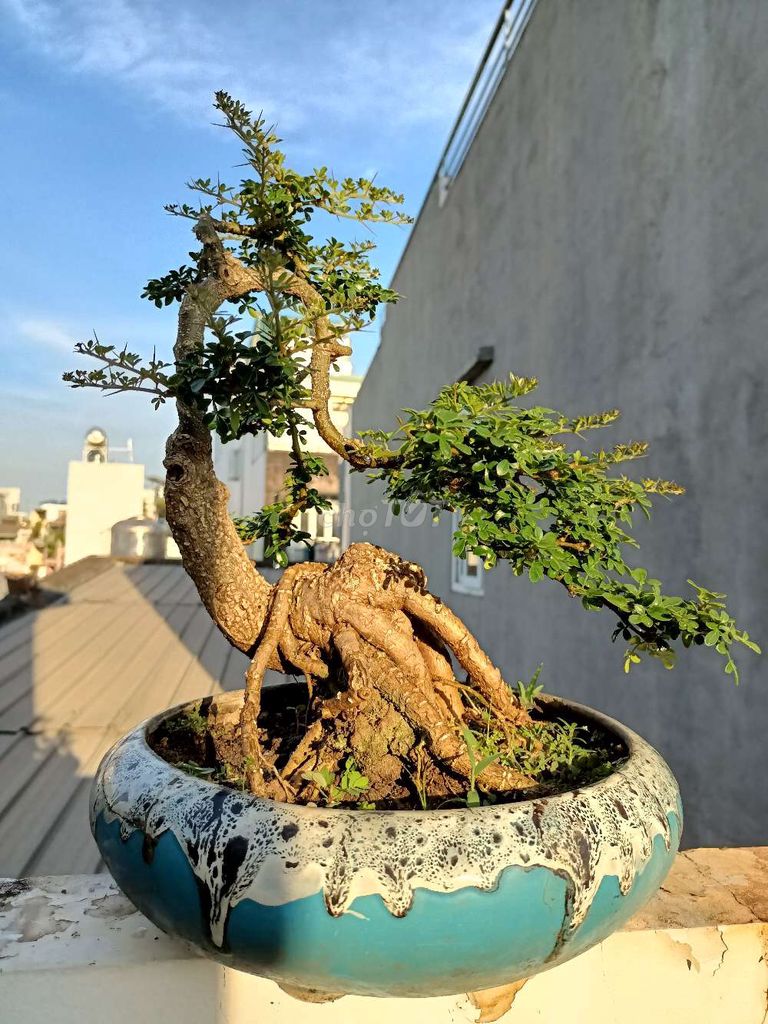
{"x":403,"y":705}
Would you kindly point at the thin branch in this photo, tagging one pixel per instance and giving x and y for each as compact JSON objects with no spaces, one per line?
{"x":235,"y":280}
{"x":144,"y":374}
{"x":112,"y":390}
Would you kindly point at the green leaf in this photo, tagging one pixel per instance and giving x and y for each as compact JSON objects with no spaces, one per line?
{"x":535,"y":572}
{"x":485,"y":761}
{"x":322,"y":778}
{"x":470,"y":739}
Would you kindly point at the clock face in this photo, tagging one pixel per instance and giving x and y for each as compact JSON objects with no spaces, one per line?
{"x":95,"y":436}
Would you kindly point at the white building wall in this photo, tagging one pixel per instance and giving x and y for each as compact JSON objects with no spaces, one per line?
{"x":242,"y":465}
{"x":10,"y":500}
{"x":100,"y":494}
{"x":606,"y":234}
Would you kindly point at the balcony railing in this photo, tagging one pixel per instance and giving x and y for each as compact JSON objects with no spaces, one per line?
{"x":501,"y":47}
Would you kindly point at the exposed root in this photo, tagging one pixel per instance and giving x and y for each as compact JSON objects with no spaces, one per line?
{"x":304,"y":757}
{"x":369,"y":624}
{"x":467,"y":651}
{"x":276,"y":620}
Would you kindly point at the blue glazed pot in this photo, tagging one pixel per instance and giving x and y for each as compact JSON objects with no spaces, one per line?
{"x":386,"y":903}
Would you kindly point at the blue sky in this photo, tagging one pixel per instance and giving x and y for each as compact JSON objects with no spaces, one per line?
{"x":105,"y":113}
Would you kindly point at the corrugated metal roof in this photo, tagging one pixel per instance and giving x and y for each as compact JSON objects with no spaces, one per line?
{"x":74,"y":677}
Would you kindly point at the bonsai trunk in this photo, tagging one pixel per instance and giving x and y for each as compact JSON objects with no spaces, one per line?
{"x":375,"y":647}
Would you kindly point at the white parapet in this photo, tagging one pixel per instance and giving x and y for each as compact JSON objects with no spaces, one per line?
{"x":74,"y":951}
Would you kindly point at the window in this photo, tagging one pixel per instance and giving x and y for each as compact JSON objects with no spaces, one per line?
{"x":235,"y":464}
{"x":466,"y":573}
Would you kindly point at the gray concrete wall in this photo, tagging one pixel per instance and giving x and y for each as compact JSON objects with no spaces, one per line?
{"x":608,"y":234}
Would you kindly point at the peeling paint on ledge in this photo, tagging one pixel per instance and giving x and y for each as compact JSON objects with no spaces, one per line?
{"x":65,"y":921}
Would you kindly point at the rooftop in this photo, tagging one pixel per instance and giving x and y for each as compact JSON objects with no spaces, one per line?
{"x":119,"y":644}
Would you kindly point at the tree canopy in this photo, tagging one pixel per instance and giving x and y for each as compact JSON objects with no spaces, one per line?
{"x":523,"y":494}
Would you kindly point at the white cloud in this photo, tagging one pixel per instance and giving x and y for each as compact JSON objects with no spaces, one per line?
{"x":396,"y":62}
{"x":28,"y":393}
{"x":46,"y":332}
{"x":20,"y":334}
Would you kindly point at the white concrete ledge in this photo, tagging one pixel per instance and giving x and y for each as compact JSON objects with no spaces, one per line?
{"x":74,"y":951}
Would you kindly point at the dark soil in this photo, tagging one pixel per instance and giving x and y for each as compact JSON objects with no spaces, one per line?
{"x":185,"y":740}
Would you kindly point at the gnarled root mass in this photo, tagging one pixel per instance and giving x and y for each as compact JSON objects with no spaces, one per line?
{"x":377,"y":651}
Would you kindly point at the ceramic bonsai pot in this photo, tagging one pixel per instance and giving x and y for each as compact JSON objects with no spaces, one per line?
{"x":386,"y":903}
